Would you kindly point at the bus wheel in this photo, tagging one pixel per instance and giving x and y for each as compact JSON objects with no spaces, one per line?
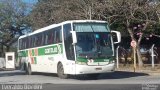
{"x":20,"y":66}
{"x":60,"y":72}
{"x":28,"y":69}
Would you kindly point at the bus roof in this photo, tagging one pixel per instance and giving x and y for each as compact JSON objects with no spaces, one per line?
{"x":59,"y":24}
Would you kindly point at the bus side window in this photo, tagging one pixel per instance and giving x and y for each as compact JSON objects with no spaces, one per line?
{"x":60,"y":33}
{"x":36,"y":40}
{"x":39,"y":39}
{"x":57,"y":35}
{"x":24,"y":43}
{"x":46,"y":38}
{"x":52,"y":37}
{"x":32,"y":41}
{"x":19,"y":45}
{"x":49,"y":41}
{"x":42,"y":41}
{"x":27,"y":42}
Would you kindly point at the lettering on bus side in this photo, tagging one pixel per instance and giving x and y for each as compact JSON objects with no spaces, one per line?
{"x":51,"y":50}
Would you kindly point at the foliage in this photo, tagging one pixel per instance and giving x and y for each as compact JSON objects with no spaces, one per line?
{"x":134,"y":18}
{"x":53,"y":11}
{"x":14,"y":21}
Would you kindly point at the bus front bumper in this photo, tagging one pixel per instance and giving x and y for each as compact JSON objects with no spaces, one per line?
{"x":85,"y":69}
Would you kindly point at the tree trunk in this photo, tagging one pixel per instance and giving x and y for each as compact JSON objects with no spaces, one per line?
{"x":2,"y":51}
{"x":140,"y":63}
{"x":139,"y":56}
{"x":7,"y":48}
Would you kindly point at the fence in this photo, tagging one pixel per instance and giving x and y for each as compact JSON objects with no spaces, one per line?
{"x":150,"y":57}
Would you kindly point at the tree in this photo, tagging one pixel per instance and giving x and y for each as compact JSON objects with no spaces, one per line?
{"x":48,"y":12}
{"x":14,"y":22}
{"x":133,"y":17}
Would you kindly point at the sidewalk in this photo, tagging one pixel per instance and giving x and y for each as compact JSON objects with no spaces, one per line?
{"x":148,"y":71}
{"x":4,"y":69}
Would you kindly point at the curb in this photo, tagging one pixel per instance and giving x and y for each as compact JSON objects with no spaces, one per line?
{"x":149,"y":72}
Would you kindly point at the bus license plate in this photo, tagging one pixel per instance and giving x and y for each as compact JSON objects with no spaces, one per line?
{"x":98,"y":68}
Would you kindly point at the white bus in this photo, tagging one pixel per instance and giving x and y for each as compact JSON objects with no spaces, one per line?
{"x":69,"y":48}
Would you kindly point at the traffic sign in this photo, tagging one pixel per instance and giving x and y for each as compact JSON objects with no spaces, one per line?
{"x":133,"y":43}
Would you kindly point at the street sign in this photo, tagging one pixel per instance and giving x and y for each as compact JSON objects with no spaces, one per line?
{"x":133,"y":43}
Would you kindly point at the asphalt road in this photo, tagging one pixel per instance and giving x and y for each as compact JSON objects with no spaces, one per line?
{"x":109,"y":81}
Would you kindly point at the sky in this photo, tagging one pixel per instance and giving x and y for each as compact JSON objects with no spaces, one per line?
{"x":30,"y":1}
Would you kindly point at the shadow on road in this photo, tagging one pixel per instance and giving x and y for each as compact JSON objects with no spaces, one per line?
{"x":121,"y":74}
{"x":113,"y":75}
{"x":11,"y":73}
{"x":45,"y":74}
{"x":6,"y":73}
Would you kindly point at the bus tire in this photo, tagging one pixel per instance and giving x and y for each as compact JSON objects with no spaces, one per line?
{"x":60,"y":72}
{"x":20,"y":65}
{"x":28,"y":69}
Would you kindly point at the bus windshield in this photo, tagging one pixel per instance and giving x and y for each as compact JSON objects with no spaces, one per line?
{"x":93,"y":40}
{"x":91,"y":27}
{"x":93,"y":44}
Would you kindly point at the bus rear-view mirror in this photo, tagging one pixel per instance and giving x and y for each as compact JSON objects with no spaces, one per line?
{"x":74,"y":37}
{"x":116,"y":36}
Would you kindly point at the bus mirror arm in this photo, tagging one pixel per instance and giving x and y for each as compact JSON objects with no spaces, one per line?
{"x":74,"y":37}
{"x":118,"y":35}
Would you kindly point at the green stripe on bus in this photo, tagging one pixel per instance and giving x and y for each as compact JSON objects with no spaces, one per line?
{"x":48,"y":50}
{"x":54,"y":49}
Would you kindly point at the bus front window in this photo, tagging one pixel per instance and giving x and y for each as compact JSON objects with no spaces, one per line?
{"x":92,"y":44}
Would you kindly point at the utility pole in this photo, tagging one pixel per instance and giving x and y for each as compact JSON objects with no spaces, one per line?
{"x":152,"y":55}
{"x":117,"y":57}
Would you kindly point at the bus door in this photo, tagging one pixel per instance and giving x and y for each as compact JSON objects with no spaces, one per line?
{"x":69,"y":49}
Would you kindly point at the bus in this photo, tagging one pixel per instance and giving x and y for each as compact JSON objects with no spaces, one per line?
{"x":72,"y":47}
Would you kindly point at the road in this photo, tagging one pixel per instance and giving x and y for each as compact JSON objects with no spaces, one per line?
{"x":111,"y":81}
